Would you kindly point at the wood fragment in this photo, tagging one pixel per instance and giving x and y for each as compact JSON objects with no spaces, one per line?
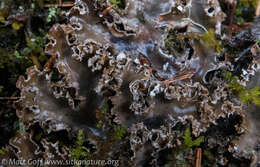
{"x":105,"y":11}
{"x":160,"y":18}
{"x":198,"y":157}
{"x":60,"y":4}
{"x":179,"y":77}
{"x":50,"y":62}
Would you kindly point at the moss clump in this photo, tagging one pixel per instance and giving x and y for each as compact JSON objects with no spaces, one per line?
{"x":246,"y":95}
{"x":34,"y":50}
{"x":210,"y":40}
{"x":105,"y":109}
{"x":21,"y":128}
{"x":80,"y":151}
{"x":188,"y":142}
{"x":172,"y":41}
{"x":177,"y":42}
{"x":258,"y":43}
{"x":35,"y":45}
{"x":99,"y":125}
{"x":2,"y":152}
{"x":16,"y":25}
{"x":22,"y":40}
{"x":245,"y":11}
{"x":233,"y":82}
{"x":118,"y":4}
{"x":38,"y":137}
{"x":119,"y":132}
{"x":53,"y":14}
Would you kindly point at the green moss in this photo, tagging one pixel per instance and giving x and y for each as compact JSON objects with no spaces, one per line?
{"x":247,"y":3}
{"x":105,"y":110}
{"x":247,"y":96}
{"x":80,"y":151}
{"x":34,"y":46}
{"x":173,"y":43}
{"x":176,"y":158}
{"x":119,"y":132}
{"x":22,"y":44}
{"x":99,"y":125}
{"x":16,"y":26}
{"x":21,"y":127}
{"x":233,"y":82}
{"x":251,"y":96}
{"x":17,"y":54}
{"x":188,"y":142}
{"x":180,"y":161}
{"x":2,"y":152}
{"x":245,"y":11}
{"x":38,"y":136}
{"x":258,"y":43}
{"x":119,"y":4}
{"x":53,"y":12}
{"x":178,"y":41}
{"x":210,"y":40}
{"x":2,"y":19}
{"x":1,"y":88}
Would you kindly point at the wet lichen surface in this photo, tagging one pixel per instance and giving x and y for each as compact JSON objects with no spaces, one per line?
{"x":144,"y":82}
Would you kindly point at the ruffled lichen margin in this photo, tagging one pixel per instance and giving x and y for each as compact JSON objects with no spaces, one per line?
{"x":112,"y":76}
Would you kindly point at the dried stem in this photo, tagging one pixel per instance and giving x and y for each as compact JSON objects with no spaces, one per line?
{"x":60,"y":4}
{"x":233,"y":9}
{"x":105,"y":11}
{"x":198,"y":157}
{"x":179,"y":77}
{"x":257,"y":11}
{"x":36,"y":62}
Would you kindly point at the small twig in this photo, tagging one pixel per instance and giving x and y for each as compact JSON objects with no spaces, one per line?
{"x":36,"y":62}
{"x":50,"y":62}
{"x":105,"y":11}
{"x":179,"y":77}
{"x":198,"y":157}
{"x":233,"y":9}
{"x":59,"y":4}
{"x":64,"y":5}
{"x":257,"y":11}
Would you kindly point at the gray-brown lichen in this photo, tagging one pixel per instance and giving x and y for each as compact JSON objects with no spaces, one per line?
{"x":118,"y":55}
